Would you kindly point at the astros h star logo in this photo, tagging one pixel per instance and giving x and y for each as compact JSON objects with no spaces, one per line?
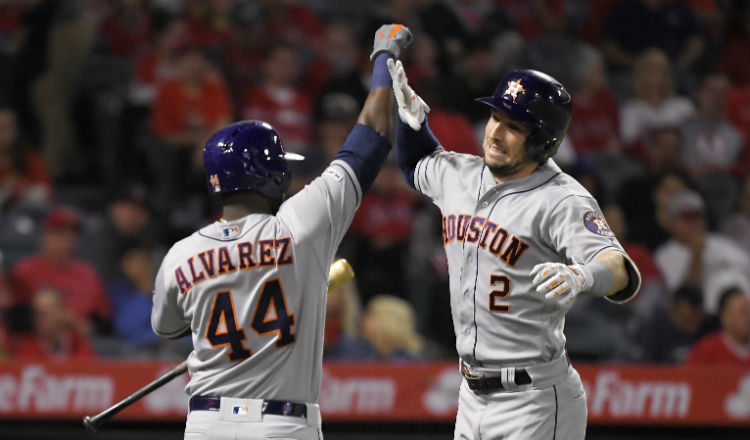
{"x":514,"y":88}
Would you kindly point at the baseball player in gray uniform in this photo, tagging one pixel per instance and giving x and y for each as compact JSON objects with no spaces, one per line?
{"x":523,"y":240}
{"x":251,"y":288}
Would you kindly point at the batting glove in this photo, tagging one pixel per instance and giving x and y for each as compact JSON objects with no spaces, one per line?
{"x":391,"y":38}
{"x":561,"y":283}
{"x":411,"y":108}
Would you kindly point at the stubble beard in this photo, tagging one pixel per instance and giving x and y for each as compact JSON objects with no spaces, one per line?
{"x":508,"y":170}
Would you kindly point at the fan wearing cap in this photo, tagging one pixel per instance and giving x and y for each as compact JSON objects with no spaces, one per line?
{"x":57,"y":267}
{"x":693,"y":255}
{"x":523,"y":240}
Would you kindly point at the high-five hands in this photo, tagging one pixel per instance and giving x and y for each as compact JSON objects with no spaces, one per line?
{"x":391,"y":38}
{"x":411,"y":108}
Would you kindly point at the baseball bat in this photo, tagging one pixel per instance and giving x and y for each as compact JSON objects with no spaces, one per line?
{"x":341,"y":272}
{"x":92,"y":423}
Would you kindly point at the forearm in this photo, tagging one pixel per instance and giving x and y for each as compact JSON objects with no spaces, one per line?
{"x":411,"y":146}
{"x":615,"y":261}
{"x":375,"y":113}
{"x":366,"y":147}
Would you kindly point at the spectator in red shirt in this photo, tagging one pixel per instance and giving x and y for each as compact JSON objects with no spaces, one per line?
{"x":127,"y":27}
{"x":56,"y":334}
{"x":382,"y":230}
{"x":56,"y":267}
{"x":730,"y":345}
{"x":595,"y":126}
{"x":23,"y":175}
{"x":278,"y":101}
{"x":158,"y":63}
{"x":193,"y":105}
{"x":187,"y":109}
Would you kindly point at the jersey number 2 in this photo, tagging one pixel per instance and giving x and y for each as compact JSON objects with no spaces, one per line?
{"x":503,"y":290}
{"x":271,"y":301}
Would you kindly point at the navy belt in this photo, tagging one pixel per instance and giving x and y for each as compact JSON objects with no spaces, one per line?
{"x":273,"y":407}
{"x":485,"y":384}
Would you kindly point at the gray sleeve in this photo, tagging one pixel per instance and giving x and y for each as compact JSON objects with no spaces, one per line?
{"x":320,"y":214}
{"x":433,"y":172}
{"x":167,"y":318}
{"x":579,"y":233}
{"x":577,"y":230}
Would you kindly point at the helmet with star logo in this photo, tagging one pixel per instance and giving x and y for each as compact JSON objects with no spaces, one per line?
{"x":538,"y":101}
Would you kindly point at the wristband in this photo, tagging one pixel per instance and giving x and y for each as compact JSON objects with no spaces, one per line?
{"x":381,"y":77}
{"x":602,"y":277}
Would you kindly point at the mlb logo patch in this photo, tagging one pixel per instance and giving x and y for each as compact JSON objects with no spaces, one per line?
{"x":240,"y":410}
{"x":230,"y":231}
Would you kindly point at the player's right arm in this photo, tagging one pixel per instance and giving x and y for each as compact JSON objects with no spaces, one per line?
{"x":414,"y":140}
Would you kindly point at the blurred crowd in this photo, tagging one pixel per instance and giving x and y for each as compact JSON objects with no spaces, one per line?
{"x":105,"y":106}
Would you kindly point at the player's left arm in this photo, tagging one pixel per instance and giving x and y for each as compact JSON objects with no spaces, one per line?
{"x":626,"y":279}
{"x":167,"y":319}
{"x":366,"y":147}
{"x":597,"y":265}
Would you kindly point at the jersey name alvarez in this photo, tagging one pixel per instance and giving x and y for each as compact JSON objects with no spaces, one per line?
{"x":489,"y":235}
{"x":219,"y":261}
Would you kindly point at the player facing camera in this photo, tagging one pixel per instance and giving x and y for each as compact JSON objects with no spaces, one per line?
{"x":246,"y":162}
{"x":523,"y":240}
{"x":531,"y":113}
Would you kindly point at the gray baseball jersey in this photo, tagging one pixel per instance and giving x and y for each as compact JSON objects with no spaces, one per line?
{"x":493,"y":235}
{"x":253,"y":292}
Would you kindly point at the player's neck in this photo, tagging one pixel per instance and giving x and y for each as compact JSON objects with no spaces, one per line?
{"x":506,"y":174}
{"x":238,"y":205}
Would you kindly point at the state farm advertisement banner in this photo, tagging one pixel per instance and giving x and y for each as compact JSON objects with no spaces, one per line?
{"x":382,"y":392}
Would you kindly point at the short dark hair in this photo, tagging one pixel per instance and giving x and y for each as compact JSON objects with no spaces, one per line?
{"x":726,"y":295}
{"x":689,"y":293}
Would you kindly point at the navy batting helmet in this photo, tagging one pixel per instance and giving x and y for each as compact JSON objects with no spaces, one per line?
{"x":538,"y":101}
{"x":247,"y":155}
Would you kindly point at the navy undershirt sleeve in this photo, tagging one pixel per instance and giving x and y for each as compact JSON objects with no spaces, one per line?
{"x":411,"y":146}
{"x":365,"y":151}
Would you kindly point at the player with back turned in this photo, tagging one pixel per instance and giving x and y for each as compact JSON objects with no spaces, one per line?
{"x":523,"y":240}
{"x":251,"y":288}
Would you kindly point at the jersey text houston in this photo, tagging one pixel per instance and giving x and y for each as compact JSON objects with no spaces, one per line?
{"x":493,"y":238}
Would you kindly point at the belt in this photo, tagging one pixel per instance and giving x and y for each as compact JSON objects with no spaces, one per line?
{"x":485,"y":384}
{"x":273,"y":407}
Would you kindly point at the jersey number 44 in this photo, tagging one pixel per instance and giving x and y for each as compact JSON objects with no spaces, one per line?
{"x":271,"y":315}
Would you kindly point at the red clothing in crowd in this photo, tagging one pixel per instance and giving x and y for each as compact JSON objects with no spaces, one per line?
{"x":292,"y":22}
{"x":127,"y":39}
{"x":713,"y":349}
{"x":175,"y":110}
{"x":288,"y":110}
{"x":527,"y":17}
{"x":71,"y":346}
{"x":454,"y":132}
{"x":595,"y":123}
{"x":78,"y":282}
{"x":643,"y":259}
{"x":385,"y":217}
{"x":33,"y":172}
